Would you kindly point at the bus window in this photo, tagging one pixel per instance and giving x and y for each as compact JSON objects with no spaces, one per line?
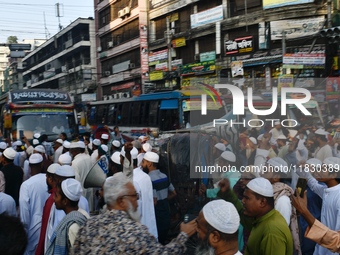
{"x":101,"y":114}
{"x":125,"y":113}
{"x":153,"y":113}
{"x":169,"y":119}
{"x":118,"y":114}
{"x":111,"y":115}
{"x":136,"y":114}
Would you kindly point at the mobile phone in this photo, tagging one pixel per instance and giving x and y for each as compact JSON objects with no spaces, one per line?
{"x":301,"y":186}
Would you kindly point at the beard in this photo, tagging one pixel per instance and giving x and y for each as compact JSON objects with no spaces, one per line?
{"x":204,"y":248}
{"x":133,"y":213}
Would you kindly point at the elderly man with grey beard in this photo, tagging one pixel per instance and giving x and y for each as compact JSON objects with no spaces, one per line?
{"x":118,"y":231}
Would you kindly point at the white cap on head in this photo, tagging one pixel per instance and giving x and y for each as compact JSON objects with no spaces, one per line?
{"x":134,"y":153}
{"x":314,"y":161}
{"x":53,"y":168}
{"x":3,"y":145}
{"x":35,"y":158}
{"x":277,"y":161}
{"x":66,"y":144}
{"x":40,"y":148}
{"x":332,"y":162}
{"x":277,"y":123}
{"x":96,"y":142}
{"x":222,"y":216}
{"x":142,"y":137}
{"x":59,"y":141}
{"x":72,"y":189}
{"x":74,"y":145}
{"x":105,"y":136}
{"x":147,"y":147}
{"x":261,"y":186}
{"x":282,"y":137}
{"x":65,"y":171}
{"x":36,"y":135}
{"x":116,"y":157}
{"x":321,"y":131}
{"x":151,"y":156}
{"x":229,"y":156}
{"x":65,"y":159}
{"x":259,"y":138}
{"x":81,"y":144}
{"x":35,"y":141}
{"x":220,"y":146}
{"x":104,"y":147}
{"x":18,"y":143}
{"x":116,"y":143}
{"x":253,"y":140}
{"x":9,"y":153}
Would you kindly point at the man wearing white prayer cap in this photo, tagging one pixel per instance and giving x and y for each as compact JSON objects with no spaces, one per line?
{"x":65,"y":159}
{"x":163,"y":191}
{"x":114,"y":164}
{"x":104,"y":139}
{"x":146,"y":147}
{"x":276,"y":131}
{"x":115,"y":145}
{"x":323,"y":150}
{"x":58,"y":149}
{"x":66,"y":198}
{"x":217,"y":228}
{"x":94,"y":156}
{"x":33,"y":194}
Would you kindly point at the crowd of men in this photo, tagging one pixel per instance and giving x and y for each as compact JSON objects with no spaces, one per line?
{"x":48,"y":207}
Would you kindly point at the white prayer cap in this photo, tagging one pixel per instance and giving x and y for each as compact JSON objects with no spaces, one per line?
{"x":35,"y":158}
{"x":74,"y":145}
{"x":36,"y":135}
{"x":253,"y":140}
{"x":81,"y":144}
{"x":72,"y":189}
{"x":66,"y":144}
{"x":151,"y":156}
{"x":116,"y":157}
{"x":96,"y":142}
{"x":10,"y":153}
{"x":277,"y":123}
{"x":65,"y":159}
{"x":332,"y":162}
{"x":261,"y":186}
{"x":59,"y":141}
{"x":116,"y":143}
{"x":229,"y":156}
{"x":18,"y":143}
{"x":104,"y":147}
{"x":321,"y":131}
{"x":134,"y":153}
{"x":314,"y":162}
{"x":222,"y":216}
{"x":35,"y":141}
{"x":53,"y":168}
{"x":147,"y":147}
{"x":282,"y":137}
{"x":65,"y":171}
{"x":259,"y":138}
{"x":3,"y":145}
{"x":277,"y":161}
{"x":142,"y":137}
{"x":220,"y":146}
{"x":105,"y":136}
{"x":40,"y":148}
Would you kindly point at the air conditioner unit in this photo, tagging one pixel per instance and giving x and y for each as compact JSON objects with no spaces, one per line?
{"x":99,"y":49}
{"x":132,"y":65}
{"x":121,"y":14}
{"x":197,"y":57}
{"x":126,"y":95}
{"x":126,"y":10}
{"x":63,"y":69}
{"x":120,"y":95}
{"x":110,"y":44}
{"x":107,"y":73}
{"x":115,"y":96}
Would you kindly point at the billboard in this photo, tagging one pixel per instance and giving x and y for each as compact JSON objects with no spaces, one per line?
{"x":268,"y":4}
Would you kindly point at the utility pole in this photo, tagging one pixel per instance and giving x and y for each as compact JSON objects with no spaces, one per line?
{"x":168,"y":42}
{"x":59,"y":14}
{"x":283,"y":49}
{"x":47,"y":33}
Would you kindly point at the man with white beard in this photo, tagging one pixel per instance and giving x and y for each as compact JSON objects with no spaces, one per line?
{"x":217,"y":229}
{"x":117,"y":231}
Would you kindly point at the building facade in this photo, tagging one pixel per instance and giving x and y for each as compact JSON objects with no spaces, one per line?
{"x":4,"y":63}
{"x":66,"y":61}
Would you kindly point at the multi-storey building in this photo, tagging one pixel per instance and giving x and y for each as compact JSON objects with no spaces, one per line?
{"x":4,"y":63}
{"x":66,"y":61}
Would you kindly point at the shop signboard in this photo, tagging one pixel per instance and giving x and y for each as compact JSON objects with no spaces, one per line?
{"x":285,"y":81}
{"x":296,"y":28}
{"x":198,"y":68}
{"x":205,"y":17}
{"x":239,"y":45}
{"x":207,"y":56}
{"x":268,"y":4}
{"x":195,"y":105}
{"x":332,"y":89}
{"x":198,"y":80}
{"x":178,"y":42}
{"x":316,"y":60}
{"x":236,"y":68}
{"x":156,"y":75}
{"x":157,"y":57}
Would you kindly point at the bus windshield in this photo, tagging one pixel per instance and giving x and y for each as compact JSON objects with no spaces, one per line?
{"x":50,"y":124}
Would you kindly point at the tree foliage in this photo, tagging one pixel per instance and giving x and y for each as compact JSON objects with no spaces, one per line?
{"x":12,"y":39}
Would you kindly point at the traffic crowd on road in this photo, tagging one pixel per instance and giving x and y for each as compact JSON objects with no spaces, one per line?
{"x":49,"y":205}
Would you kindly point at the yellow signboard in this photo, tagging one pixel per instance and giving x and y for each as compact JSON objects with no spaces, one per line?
{"x":156,"y":75}
{"x":195,"y":105}
{"x":178,"y":42}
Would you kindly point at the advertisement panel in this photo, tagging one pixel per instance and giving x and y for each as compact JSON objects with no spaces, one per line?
{"x":267,"y":4}
{"x":206,"y":17}
{"x":332,"y":89}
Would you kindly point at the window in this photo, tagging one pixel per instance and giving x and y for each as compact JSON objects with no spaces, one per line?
{"x":153,"y":113}
{"x":111,"y":115}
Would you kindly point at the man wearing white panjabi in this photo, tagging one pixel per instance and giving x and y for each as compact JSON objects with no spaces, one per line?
{"x":143,"y":186}
{"x":217,"y":226}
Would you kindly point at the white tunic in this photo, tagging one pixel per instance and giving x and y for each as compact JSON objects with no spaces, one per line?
{"x":57,"y":153}
{"x":7,"y":205}
{"x":143,"y":186}
{"x":32,"y":198}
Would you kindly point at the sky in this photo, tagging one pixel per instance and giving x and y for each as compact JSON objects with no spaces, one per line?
{"x":25,"y":18}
